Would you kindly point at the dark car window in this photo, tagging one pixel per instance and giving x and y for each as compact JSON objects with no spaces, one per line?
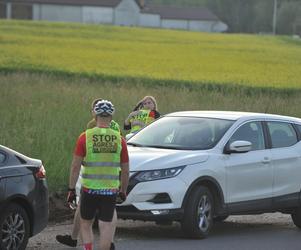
{"x":2,"y":158}
{"x":282,"y":134}
{"x":252,"y":132}
{"x":299,"y":128}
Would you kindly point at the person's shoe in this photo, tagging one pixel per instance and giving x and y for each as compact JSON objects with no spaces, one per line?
{"x":66,"y":240}
{"x":112,"y":246}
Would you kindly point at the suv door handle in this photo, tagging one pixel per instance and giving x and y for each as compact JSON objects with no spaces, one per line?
{"x":266,"y":160}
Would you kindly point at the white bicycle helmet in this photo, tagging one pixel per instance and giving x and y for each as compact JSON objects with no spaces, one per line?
{"x":104,"y":108}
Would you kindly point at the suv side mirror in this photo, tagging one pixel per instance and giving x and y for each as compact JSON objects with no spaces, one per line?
{"x":238,"y":147}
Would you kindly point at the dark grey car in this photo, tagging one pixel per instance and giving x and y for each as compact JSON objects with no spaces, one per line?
{"x":23,"y":199}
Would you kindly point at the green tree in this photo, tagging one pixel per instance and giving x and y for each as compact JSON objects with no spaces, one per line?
{"x":263,"y":16}
{"x":238,"y":14}
{"x":289,"y":13}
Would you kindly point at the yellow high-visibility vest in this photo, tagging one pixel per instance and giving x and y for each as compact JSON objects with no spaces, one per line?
{"x":101,"y":165}
{"x":140,"y":120}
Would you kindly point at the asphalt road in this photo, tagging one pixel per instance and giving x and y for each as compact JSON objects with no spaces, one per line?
{"x":256,"y":232}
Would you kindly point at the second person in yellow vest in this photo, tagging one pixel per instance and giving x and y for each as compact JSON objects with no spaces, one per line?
{"x":144,"y":113}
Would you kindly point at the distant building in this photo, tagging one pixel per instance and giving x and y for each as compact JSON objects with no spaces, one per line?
{"x":116,"y":12}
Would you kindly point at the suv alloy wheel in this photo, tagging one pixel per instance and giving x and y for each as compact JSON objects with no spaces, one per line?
{"x":198,"y":214}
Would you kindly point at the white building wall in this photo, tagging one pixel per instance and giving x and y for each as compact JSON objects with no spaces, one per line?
{"x":127,"y":13}
{"x":97,"y":15}
{"x":149,"y":20}
{"x":61,"y":13}
{"x":36,"y":11}
{"x":8,"y":10}
{"x":206,"y":26}
{"x":174,"y":24}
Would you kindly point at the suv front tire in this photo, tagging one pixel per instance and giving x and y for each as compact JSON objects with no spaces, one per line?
{"x":198,"y":213}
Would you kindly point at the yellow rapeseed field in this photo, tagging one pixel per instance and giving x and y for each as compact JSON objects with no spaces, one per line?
{"x":252,"y":60}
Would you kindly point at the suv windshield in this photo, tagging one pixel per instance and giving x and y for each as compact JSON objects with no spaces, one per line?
{"x":189,"y":133}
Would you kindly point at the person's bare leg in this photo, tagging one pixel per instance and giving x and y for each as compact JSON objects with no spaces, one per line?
{"x":114,"y":224}
{"x":76,"y":224}
{"x":86,"y":230}
{"x":71,"y":239}
{"x":106,"y":234}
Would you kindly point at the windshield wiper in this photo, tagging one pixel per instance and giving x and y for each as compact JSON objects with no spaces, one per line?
{"x":135,"y":144}
{"x":161,"y":146}
{"x":176,"y":147}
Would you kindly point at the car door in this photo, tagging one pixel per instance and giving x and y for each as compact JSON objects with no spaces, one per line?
{"x":286,"y":159}
{"x":249,"y":176}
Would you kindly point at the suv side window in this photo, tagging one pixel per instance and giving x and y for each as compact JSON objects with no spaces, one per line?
{"x":282,"y":134}
{"x":252,"y":132}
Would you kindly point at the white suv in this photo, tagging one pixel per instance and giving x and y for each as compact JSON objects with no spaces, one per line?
{"x":201,"y":166}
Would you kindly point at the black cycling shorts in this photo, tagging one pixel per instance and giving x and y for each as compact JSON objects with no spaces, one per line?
{"x":103,"y":205}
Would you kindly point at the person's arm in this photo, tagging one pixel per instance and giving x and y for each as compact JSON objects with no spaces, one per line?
{"x":124,"y":177}
{"x":127,"y":120}
{"x":124,"y":164}
{"x":78,"y":156}
{"x":75,"y":169}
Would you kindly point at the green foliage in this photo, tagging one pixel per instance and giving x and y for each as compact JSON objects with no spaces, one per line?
{"x":288,"y":14}
{"x":107,"y":51}
{"x":264,"y":16}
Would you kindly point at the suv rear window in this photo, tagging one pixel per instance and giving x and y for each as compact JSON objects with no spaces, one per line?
{"x":282,"y":134}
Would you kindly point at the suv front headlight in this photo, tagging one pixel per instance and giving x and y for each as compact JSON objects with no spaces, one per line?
{"x":152,"y":175}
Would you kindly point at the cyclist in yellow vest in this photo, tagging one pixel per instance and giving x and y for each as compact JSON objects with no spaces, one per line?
{"x":103,"y":153}
{"x":71,"y":239}
{"x":91,"y":124}
{"x":145,"y":112}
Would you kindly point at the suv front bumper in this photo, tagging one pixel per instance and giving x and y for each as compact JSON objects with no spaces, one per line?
{"x":130,"y":212}
{"x":153,"y":200}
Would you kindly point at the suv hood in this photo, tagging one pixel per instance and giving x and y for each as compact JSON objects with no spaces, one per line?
{"x":144,"y":158}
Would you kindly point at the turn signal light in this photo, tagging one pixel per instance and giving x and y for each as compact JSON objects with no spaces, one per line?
{"x":41,"y":174}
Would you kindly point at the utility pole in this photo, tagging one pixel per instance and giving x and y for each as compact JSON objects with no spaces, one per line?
{"x":275,"y":17}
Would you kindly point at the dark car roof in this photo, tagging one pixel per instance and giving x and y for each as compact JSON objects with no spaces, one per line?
{"x":27,"y":159}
